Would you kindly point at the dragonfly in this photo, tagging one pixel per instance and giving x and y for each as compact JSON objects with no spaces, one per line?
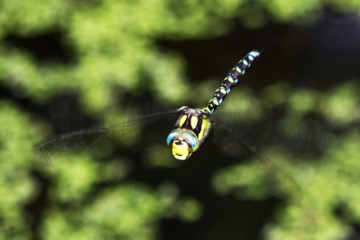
{"x":193,"y":126}
{"x":184,"y":138}
{"x":191,"y":129}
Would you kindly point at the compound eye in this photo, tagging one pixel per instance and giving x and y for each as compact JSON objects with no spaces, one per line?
{"x":191,"y":139}
{"x":173,"y":135}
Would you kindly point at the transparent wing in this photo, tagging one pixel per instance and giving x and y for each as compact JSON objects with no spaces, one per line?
{"x":130,"y":136}
{"x":241,"y":144}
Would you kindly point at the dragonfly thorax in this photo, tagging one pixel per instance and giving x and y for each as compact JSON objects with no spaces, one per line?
{"x":190,"y":131}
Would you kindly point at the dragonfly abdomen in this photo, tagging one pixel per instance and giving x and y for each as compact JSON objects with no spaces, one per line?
{"x":230,"y":80}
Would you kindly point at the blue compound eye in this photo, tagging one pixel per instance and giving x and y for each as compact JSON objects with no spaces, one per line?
{"x":191,"y":139}
{"x":174,"y":134}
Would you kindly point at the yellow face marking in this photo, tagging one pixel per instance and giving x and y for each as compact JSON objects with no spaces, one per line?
{"x":194,"y":121}
{"x":180,"y":150}
{"x":182,"y":120}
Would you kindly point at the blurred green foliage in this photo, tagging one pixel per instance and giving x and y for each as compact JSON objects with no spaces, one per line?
{"x":114,"y":48}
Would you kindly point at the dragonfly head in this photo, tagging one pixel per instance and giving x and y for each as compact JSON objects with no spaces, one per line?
{"x":183,"y":143}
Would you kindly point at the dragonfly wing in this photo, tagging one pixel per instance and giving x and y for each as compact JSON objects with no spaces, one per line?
{"x":236,"y":144}
{"x":134,"y":134}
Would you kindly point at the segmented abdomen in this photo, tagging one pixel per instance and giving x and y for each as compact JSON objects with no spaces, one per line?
{"x":230,"y":80}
